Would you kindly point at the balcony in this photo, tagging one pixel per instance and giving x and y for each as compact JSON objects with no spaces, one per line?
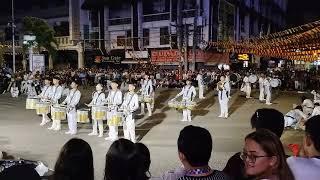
{"x":119,"y":21}
{"x":64,"y":41}
{"x":156,"y":17}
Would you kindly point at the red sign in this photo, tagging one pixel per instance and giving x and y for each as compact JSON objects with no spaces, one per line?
{"x":173,"y":55}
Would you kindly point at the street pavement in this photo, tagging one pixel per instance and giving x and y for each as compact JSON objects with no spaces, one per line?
{"x":21,"y":135}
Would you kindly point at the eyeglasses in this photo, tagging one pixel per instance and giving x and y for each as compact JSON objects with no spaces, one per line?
{"x":252,"y":158}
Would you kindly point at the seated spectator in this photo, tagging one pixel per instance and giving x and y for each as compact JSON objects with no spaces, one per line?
{"x":294,"y":117}
{"x":123,"y":162}
{"x":307,"y":168}
{"x":20,"y":172}
{"x":264,"y":156}
{"x":145,"y":155}
{"x":75,"y":161}
{"x":194,"y":148}
{"x":270,"y":119}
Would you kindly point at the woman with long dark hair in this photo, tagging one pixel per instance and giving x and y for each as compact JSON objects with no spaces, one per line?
{"x":75,"y":161}
{"x":124,"y":162}
{"x":264,"y":156}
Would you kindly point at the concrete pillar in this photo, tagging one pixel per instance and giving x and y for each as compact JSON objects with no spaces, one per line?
{"x":80,"y":58}
{"x":50,"y":62}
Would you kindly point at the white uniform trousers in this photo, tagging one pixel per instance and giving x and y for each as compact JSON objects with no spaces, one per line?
{"x":148,"y":107}
{"x":268,"y":97}
{"x":248,"y":90}
{"x":186,"y":113}
{"x":95,"y":125}
{"x":224,"y":107}
{"x":289,"y":121}
{"x":56,"y":125}
{"x":261,"y":96}
{"x":113,"y":130}
{"x":201,"y":89}
{"x":72,"y":121}
{"x":129,"y":129}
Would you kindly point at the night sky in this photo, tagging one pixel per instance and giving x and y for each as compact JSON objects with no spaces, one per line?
{"x":299,"y":11}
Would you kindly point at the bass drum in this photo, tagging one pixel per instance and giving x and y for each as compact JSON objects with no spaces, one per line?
{"x":275,"y":83}
{"x":253,"y":78}
{"x":235,"y":77}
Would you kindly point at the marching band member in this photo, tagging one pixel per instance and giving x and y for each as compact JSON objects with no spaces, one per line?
{"x":247,"y":86}
{"x":200,"y":85}
{"x":146,"y":90}
{"x":44,"y":96}
{"x":130,"y":105}
{"x":223,"y":89}
{"x":154,"y":85}
{"x":188,"y":94}
{"x":98,"y":99}
{"x":307,"y":106}
{"x":267,"y":89}
{"x":55,"y":95}
{"x":114,"y":99}
{"x":294,"y":116}
{"x":261,"y":87}
{"x":14,"y":90}
{"x":316,"y":96}
{"x":31,"y":91}
{"x":316,"y":110}
{"x":72,"y":101}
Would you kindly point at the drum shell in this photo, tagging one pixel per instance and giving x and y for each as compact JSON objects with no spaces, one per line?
{"x":253,"y":78}
{"x":147,"y":99}
{"x":115,"y":120}
{"x":83,"y":116}
{"x":43,"y":108}
{"x":31,"y":103}
{"x":58,"y":113}
{"x":99,"y":113}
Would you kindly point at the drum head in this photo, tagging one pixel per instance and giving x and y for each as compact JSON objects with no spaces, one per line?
{"x":253,"y":78}
{"x":274,"y":83}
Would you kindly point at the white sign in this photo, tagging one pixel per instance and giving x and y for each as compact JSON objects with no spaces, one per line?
{"x":137,"y":55}
{"x":38,"y":63}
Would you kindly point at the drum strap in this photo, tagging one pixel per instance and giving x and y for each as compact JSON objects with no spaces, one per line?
{"x":114,"y":96}
{"x":97,"y":98}
{"x":72,"y":96}
{"x":130,"y":100}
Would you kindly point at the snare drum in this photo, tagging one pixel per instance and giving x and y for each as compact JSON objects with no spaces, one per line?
{"x":140,"y":98}
{"x":43,"y":108}
{"x":83,"y":116}
{"x":181,"y":105}
{"x":191,"y":105}
{"x":58,"y":113}
{"x":172,"y":104}
{"x":31,"y":103}
{"x":99,"y":112}
{"x":147,"y":99}
{"x":116,"y":120}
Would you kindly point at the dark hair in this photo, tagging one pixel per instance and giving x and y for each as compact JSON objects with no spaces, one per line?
{"x":312,"y":129}
{"x":270,"y":119}
{"x":196,"y":145}
{"x":299,"y":107}
{"x":20,"y":172}
{"x":75,"y":161}
{"x":123,"y":162}
{"x":316,"y":104}
{"x":272,"y":146}
{"x":145,"y":155}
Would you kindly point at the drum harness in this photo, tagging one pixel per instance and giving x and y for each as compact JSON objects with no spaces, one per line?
{"x":127,"y":104}
{"x":227,"y":93}
{"x":114,"y":97}
{"x":71,"y":108}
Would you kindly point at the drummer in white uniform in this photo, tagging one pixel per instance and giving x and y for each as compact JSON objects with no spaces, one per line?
{"x":45,"y":96}
{"x":200,"y":85}
{"x":188,"y":94}
{"x":146,"y":91}
{"x":223,"y":89}
{"x":72,"y":101}
{"x":98,"y":99}
{"x":261,"y":87}
{"x":267,"y":89}
{"x":129,"y":106}
{"x":55,"y":95}
{"x":113,"y":101}
{"x":247,"y":86}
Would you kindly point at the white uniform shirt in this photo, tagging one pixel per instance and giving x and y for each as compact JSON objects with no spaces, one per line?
{"x":261,"y":81}
{"x":266,"y":85}
{"x":98,"y":99}
{"x":188,"y":92}
{"x":296,"y":114}
{"x":56,"y":93}
{"x":114,"y":97}
{"x":147,"y":87}
{"x":246,"y":80}
{"x":200,"y":80}
{"x":316,"y":111}
{"x":224,"y":94}
{"x":130,"y":102}
{"x":46,"y":91}
{"x":72,"y":99}
{"x":304,"y":168}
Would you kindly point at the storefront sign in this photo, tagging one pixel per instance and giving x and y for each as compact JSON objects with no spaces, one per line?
{"x":137,"y":54}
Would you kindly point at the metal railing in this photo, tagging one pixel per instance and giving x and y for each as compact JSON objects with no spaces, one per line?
{"x":119,"y":21}
{"x":156,"y":17}
{"x":64,"y":41}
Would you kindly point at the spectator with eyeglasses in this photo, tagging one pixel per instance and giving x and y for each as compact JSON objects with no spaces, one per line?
{"x":269,"y":119}
{"x":307,"y":167}
{"x":264,"y":156}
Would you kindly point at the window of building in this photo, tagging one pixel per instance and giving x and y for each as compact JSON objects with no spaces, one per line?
{"x":128,"y":39}
{"x":146,"y":37}
{"x":164,"y":36}
{"x":121,"y":40}
{"x":86,"y":31}
{"x":94,"y":18}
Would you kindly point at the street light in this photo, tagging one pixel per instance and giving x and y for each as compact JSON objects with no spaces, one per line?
{"x":13,"y":38}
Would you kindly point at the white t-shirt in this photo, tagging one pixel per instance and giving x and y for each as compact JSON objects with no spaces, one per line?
{"x":304,"y":168}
